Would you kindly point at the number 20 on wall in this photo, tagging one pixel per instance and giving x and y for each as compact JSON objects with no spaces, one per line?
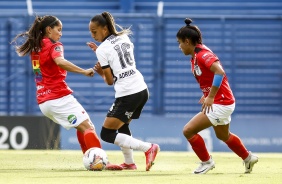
{"x":9,"y":139}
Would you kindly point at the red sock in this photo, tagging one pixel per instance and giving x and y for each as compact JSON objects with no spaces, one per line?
{"x":236,"y":145}
{"x":91,"y":139}
{"x":199,"y":147}
{"x":80,"y":138}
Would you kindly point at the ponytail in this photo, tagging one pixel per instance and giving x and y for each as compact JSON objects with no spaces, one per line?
{"x":106,"y":19}
{"x":35,"y":34}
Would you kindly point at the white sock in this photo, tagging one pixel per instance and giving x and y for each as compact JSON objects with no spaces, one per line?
{"x":248,"y":158}
{"x":128,"y":155}
{"x":127,"y":141}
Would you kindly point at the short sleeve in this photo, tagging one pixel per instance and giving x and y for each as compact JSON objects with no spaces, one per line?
{"x":207,"y":58}
{"x":102,"y":58}
{"x":57,"y":51}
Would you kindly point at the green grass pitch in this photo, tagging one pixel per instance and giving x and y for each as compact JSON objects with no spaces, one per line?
{"x":64,"y":167}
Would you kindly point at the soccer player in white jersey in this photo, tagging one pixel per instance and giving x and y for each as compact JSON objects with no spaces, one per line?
{"x":117,"y":67}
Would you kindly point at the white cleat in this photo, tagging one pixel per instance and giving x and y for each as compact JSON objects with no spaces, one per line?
{"x":249,"y":162}
{"x":204,"y":167}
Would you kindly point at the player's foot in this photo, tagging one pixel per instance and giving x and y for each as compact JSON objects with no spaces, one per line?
{"x":128,"y":166}
{"x":250,"y":162}
{"x":113,"y":167}
{"x":151,"y":155}
{"x":204,"y":167}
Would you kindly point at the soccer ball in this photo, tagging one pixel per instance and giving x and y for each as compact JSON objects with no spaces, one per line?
{"x":95,"y":159}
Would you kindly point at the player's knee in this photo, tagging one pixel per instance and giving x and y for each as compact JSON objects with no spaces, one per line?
{"x":222,"y":136}
{"x":108,"y":135}
{"x":85,"y":125}
{"x":125,"y":129}
{"x":188,"y":132}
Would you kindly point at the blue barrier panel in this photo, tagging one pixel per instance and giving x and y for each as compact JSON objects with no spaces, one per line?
{"x":258,"y":134}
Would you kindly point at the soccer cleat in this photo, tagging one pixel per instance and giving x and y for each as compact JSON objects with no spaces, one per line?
{"x":204,"y":167}
{"x":151,"y":155}
{"x":250,"y":162}
{"x":128,"y":166}
{"x":113,"y":167}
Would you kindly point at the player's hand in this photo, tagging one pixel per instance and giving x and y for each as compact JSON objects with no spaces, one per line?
{"x":202,"y":99}
{"x":92,"y":45}
{"x":97,"y":68}
{"x":207,"y":105}
{"x":89,"y":72}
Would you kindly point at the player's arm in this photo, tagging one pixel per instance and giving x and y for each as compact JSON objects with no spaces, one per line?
{"x":70,"y":67}
{"x":218,"y":77}
{"x":105,"y":73}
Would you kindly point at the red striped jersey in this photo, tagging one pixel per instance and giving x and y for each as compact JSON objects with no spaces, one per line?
{"x":49,"y":77}
{"x":200,"y":66}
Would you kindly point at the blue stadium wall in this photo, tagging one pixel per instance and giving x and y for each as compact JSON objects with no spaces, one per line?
{"x":258,"y":134}
{"x":246,"y":35}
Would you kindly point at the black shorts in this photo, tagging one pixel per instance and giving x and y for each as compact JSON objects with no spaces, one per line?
{"x":129,"y":107}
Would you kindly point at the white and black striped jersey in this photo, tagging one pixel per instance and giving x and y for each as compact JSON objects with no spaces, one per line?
{"x":116,"y":52}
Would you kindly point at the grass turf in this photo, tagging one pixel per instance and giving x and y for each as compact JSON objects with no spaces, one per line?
{"x":53,"y":166}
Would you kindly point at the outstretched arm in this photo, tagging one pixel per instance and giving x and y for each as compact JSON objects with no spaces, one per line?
{"x":70,"y":67}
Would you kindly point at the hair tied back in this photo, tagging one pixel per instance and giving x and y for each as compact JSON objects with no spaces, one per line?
{"x":188,"y":21}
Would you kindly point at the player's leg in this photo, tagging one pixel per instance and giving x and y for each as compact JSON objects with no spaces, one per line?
{"x":87,"y":136}
{"x":121,"y":113}
{"x":80,"y":138}
{"x":236,"y":145}
{"x":110,"y":135}
{"x":221,"y":118}
{"x":129,"y":163}
{"x":69,"y":113}
{"x":198,"y":123}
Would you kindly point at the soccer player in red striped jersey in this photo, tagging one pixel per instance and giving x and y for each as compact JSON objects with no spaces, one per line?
{"x":50,"y":68}
{"x":218,"y":102}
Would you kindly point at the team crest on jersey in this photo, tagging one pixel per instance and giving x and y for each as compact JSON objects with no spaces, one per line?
{"x":58,"y":49}
{"x":197,"y":70}
{"x":72,"y":119}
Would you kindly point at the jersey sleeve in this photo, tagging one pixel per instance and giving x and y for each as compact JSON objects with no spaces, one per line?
{"x":207,"y":58}
{"x":57,"y":51}
{"x":102,"y":58}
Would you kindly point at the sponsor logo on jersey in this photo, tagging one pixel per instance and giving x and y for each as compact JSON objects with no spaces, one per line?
{"x":204,"y":55}
{"x":72,"y":119}
{"x":126,"y":74}
{"x":42,"y":93}
{"x":39,"y":87}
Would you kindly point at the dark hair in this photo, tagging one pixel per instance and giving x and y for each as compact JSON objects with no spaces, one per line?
{"x":190,"y":32}
{"x":35,"y":34}
{"x":106,"y":19}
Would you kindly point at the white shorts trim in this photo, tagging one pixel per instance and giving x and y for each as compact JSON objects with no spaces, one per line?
{"x":221,"y":114}
{"x":66,"y":111}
